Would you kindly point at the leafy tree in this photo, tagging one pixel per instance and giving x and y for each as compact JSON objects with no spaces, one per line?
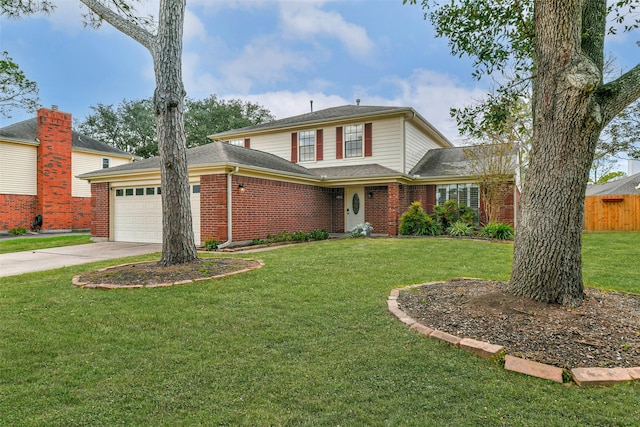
{"x":131,"y":126}
{"x":557,"y":47}
{"x":16,"y":90}
{"x":610,"y":176}
{"x":164,"y":42}
{"x":212,"y":115}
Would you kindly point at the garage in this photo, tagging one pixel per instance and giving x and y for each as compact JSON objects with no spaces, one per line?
{"x":137,"y":214}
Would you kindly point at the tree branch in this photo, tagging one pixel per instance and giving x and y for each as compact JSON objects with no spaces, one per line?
{"x":122,"y":24}
{"x":616,"y":95}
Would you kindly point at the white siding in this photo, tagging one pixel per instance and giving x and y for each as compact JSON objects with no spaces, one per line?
{"x":18,"y":169}
{"x":88,"y":162}
{"x":386,"y":138}
{"x":417,"y":144}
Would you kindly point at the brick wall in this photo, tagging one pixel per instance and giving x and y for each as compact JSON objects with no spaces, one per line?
{"x":81,"y":213}
{"x":264,"y":207}
{"x":55,"y":204}
{"x":375,"y":208}
{"x":17,"y":211}
{"x":100,"y":210}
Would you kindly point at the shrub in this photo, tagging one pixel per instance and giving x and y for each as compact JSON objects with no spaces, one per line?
{"x":283,"y":236}
{"x":497,"y":230}
{"x":18,"y":231}
{"x":413,"y":220}
{"x":451,"y":212}
{"x":460,"y":228}
{"x":319,"y":234}
{"x":430,"y":228}
{"x":362,"y":230}
{"x":300,"y":236}
{"x":211,"y":244}
{"x":257,"y":242}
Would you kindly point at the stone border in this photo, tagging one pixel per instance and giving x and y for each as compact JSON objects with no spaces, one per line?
{"x":86,"y":285}
{"x":581,"y":376}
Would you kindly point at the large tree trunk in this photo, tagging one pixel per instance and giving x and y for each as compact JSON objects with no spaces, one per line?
{"x":178,"y":244}
{"x":567,"y":123}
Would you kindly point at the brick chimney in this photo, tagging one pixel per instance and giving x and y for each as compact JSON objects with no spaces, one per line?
{"x":55,"y":203}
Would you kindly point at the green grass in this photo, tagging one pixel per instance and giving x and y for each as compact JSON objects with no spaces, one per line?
{"x":35,"y":243}
{"x":304,"y":341}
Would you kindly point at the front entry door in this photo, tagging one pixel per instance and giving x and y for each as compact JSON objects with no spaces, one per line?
{"x":354,"y":207}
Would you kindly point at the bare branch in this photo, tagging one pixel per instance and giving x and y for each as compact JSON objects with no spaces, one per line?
{"x":126,"y":23}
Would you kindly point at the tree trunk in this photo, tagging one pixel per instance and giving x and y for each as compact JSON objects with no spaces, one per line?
{"x":178,"y":244}
{"x":567,"y":123}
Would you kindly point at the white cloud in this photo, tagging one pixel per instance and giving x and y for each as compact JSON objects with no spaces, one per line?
{"x":286,"y":104}
{"x":193,"y":27}
{"x":306,"y":20}
{"x":263,"y":60}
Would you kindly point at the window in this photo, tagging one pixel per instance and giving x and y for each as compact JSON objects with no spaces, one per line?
{"x":463,"y":194}
{"x":239,"y":142}
{"x":306,"y":146}
{"x":128,"y":192}
{"x":150,"y":191}
{"x":196,"y":189}
{"x":119,"y":192}
{"x":139,"y":191}
{"x":105,"y":163}
{"x":353,"y":140}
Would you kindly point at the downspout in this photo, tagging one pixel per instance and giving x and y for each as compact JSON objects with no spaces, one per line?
{"x":229,"y":211}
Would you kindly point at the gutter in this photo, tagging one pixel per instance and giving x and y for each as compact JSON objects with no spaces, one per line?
{"x":229,"y":210}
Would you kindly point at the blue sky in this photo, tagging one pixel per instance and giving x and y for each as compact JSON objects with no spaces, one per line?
{"x":280,"y":54}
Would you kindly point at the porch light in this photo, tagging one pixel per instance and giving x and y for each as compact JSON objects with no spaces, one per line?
{"x":241,"y":187}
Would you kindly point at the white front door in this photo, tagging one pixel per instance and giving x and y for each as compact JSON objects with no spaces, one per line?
{"x":354,"y":207}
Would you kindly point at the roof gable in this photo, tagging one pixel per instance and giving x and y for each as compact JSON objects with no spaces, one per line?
{"x":626,"y":185}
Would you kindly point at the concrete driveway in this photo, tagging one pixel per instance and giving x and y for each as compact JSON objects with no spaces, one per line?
{"x":47,"y":259}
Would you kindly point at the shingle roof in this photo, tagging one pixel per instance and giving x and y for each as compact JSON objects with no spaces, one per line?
{"x":26,"y":131}
{"x":626,"y":185}
{"x":215,"y":154}
{"x":442,"y":162}
{"x":334,"y":113}
{"x":356,"y":171}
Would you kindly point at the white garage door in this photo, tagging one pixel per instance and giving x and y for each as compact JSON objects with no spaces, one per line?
{"x":137,"y":214}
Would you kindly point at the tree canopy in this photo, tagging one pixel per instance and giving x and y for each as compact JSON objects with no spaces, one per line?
{"x":131,"y":125}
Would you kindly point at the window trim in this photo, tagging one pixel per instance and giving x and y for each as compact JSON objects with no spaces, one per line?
{"x":346,"y":141}
{"x":105,"y":160}
{"x":311,"y":156}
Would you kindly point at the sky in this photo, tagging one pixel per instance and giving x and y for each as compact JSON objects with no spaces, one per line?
{"x":279,"y":54}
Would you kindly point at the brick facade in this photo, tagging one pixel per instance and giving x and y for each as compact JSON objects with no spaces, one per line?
{"x":100,"y":210}
{"x":262,"y":207}
{"x":17,"y":211}
{"x":55,"y":203}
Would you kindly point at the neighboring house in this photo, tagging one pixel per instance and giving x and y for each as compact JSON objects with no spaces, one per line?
{"x":613,"y":206}
{"x":40,"y":160}
{"x":330,"y":169}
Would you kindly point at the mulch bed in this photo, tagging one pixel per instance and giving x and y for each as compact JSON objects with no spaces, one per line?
{"x":603,"y":332}
{"x":150,"y":274}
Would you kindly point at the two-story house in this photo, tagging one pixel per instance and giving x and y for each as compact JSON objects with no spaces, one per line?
{"x":40,"y":159}
{"x":330,"y":169}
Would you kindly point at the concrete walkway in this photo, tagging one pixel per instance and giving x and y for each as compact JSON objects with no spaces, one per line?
{"x":47,"y":259}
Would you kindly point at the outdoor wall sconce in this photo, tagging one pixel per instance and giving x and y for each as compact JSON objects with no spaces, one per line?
{"x":241,"y":187}
{"x":371,"y":194}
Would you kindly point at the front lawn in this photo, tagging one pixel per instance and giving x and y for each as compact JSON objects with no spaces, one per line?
{"x":306,"y":340}
{"x":35,"y":243}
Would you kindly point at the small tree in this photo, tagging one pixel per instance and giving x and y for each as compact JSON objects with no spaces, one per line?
{"x":493,"y":168}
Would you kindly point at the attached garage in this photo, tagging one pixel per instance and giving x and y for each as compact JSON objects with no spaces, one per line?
{"x":137,"y":213}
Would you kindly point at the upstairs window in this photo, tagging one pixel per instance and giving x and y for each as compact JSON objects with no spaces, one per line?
{"x":105,"y":163}
{"x":306,"y":146}
{"x":353,"y":140}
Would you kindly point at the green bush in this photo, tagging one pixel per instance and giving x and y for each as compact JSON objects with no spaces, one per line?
{"x":283,"y":236}
{"x":460,"y":228}
{"x":414,"y":220}
{"x":430,"y":228}
{"x":319,"y":235}
{"x":300,"y":236}
{"x":497,"y":230}
{"x":451,"y":212}
{"x":257,"y":242}
{"x":211,"y":244}
{"x":18,"y":231}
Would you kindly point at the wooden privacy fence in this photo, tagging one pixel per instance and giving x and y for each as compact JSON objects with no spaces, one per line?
{"x":612,"y":213}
